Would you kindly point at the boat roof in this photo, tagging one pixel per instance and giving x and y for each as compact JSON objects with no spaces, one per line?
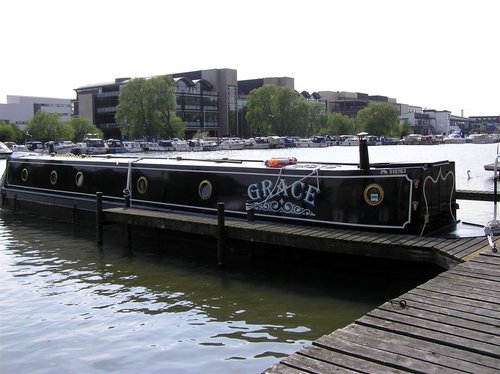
{"x":219,"y":162}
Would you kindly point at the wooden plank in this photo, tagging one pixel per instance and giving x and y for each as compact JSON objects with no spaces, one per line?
{"x":433,"y":295}
{"x":281,"y":368}
{"x":306,"y":364}
{"x":400,"y":351}
{"x":375,"y":353}
{"x":433,"y":322}
{"x":427,"y":313}
{"x":475,"y":273}
{"x":446,"y":285}
{"x":425,"y":350}
{"x":470,"y":246}
{"x":446,"y":307}
{"x":487,"y":258}
{"x":352,"y":362}
{"x":441,"y":337}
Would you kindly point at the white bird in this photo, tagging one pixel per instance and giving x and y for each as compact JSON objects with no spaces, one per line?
{"x":468,"y":175}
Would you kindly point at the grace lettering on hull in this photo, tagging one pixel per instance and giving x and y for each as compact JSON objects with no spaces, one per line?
{"x":266,"y":189}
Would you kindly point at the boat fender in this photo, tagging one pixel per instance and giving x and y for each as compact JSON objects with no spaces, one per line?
{"x":280,"y":162}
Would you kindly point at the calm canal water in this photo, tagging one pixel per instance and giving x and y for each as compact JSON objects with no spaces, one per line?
{"x":68,"y":305}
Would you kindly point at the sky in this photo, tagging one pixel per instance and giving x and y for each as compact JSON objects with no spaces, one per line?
{"x":435,"y":54}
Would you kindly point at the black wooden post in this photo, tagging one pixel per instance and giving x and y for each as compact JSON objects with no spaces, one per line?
{"x":126,"y":196}
{"x":220,"y":235}
{"x":250,"y":210}
{"x":98,"y":216}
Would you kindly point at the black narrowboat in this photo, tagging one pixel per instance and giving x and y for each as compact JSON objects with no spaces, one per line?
{"x":409,"y":198}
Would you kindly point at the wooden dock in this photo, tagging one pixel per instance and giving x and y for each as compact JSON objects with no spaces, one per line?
{"x":451,"y":324}
{"x":443,"y":252}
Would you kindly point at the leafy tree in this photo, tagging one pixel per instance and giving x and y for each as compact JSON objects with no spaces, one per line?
{"x":10,"y":132}
{"x":378,"y":119}
{"x":338,"y":124}
{"x":403,"y":129}
{"x":277,"y":110}
{"x":317,"y":118}
{"x":147,"y":108}
{"x":81,"y":127}
{"x":48,"y":127}
{"x":260,"y":115}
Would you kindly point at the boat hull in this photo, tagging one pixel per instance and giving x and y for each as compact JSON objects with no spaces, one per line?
{"x":413,"y":198}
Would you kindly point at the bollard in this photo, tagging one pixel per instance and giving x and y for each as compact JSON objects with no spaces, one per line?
{"x":98,"y":215}
{"x":250,"y":210}
{"x":126,"y":196}
{"x":220,"y":235}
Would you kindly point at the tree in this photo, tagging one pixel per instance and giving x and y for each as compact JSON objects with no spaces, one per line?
{"x":338,"y":124}
{"x":404,"y":128}
{"x":147,"y":108}
{"x":81,"y":127}
{"x":277,"y":110}
{"x":48,"y":127}
{"x":317,"y":118}
{"x":378,"y":119}
{"x":260,"y":115}
{"x":10,"y":132}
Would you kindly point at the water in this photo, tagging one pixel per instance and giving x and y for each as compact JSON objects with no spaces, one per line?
{"x":67,"y":305}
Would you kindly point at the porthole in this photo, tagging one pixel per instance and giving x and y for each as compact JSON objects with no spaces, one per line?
{"x":205,"y":189}
{"x":374,"y":194}
{"x":24,"y":175}
{"x":53,"y":177}
{"x":79,"y":178}
{"x":142,"y":185}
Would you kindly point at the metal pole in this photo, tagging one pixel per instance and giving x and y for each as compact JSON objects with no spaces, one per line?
{"x":98,"y":212}
{"x":220,"y":235}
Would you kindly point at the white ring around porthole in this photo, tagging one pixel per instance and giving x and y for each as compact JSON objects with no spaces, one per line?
{"x":24,"y":175}
{"x":205,"y":189}
{"x":79,"y":178}
{"x":142,"y":185}
{"x":53,"y":177}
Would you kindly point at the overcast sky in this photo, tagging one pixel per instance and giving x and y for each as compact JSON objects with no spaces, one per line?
{"x":435,"y":54}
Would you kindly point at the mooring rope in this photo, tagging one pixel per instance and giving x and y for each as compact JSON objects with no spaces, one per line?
{"x":127,"y":191}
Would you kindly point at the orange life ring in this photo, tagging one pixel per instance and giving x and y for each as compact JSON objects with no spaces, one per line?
{"x":280,"y":162}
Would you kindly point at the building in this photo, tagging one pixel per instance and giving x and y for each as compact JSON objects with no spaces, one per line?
{"x":485,"y":124}
{"x":437,"y":122}
{"x":214,"y":101}
{"x":349,"y":103}
{"x":211,"y":101}
{"x":20,"y":109}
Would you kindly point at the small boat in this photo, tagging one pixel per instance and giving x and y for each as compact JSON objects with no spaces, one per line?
{"x":4,"y":151}
{"x":411,"y":198}
{"x":481,"y":139}
{"x":115,"y":146}
{"x":165,"y":145}
{"x":36,"y":146}
{"x":386,"y":140}
{"x":258,"y":142}
{"x":348,"y":140}
{"x":231,"y":144}
{"x":93,"y":146}
{"x":132,"y":146}
{"x":454,"y":138}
